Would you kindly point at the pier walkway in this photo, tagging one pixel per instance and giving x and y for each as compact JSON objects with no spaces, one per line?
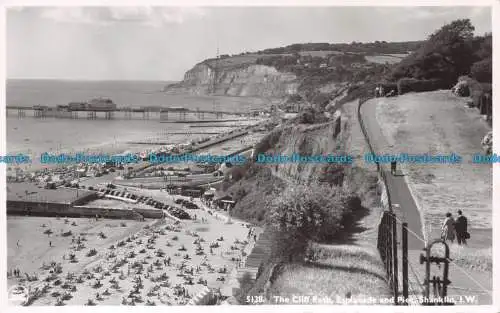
{"x":145,"y":112}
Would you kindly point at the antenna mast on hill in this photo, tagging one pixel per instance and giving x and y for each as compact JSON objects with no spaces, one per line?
{"x":215,"y":77}
{"x":216,"y":69}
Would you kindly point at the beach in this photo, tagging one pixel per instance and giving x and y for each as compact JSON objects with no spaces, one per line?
{"x":146,"y":248}
{"x":81,"y":261}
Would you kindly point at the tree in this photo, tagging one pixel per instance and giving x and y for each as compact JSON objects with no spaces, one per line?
{"x":485,"y":48}
{"x":446,"y":55}
{"x":481,"y":70}
{"x":295,"y":47}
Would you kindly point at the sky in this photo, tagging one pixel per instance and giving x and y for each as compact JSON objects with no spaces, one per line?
{"x":162,"y":43}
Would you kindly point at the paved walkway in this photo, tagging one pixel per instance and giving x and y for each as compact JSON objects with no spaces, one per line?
{"x":463,"y":282}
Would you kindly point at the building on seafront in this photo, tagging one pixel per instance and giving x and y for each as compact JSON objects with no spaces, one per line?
{"x":96,"y":104}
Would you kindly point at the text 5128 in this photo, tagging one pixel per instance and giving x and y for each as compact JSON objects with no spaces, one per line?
{"x":255,"y":299}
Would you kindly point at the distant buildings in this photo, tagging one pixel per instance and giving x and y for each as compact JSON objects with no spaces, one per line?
{"x":96,"y":104}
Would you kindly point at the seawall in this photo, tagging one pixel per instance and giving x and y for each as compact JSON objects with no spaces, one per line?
{"x":61,"y":209}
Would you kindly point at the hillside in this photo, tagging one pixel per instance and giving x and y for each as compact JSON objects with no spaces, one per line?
{"x":294,"y":69}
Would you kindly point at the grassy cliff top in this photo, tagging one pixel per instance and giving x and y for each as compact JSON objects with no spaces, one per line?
{"x":322,"y":50}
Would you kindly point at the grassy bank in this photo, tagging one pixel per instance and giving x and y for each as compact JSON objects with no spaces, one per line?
{"x":335,"y":270}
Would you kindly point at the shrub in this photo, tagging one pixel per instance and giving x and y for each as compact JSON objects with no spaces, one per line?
{"x":461,"y":89}
{"x":312,"y":212}
{"x":405,"y":85}
{"x":332,"y":174}
{"x":482,"y":70}
{"x":487,"y":87}
{"x":310,"y":116}
{"x":321,"y":100}
{"x":388,"y":87}
{"x":306,"y":116}
{"x":246,"y":283}
{"x":268,"y":141}
{"x":478,"y":91}
{"x":238,"y":172}
{"x":240,"y":193}
{"x":294,"y":98}
{"x":358,"y":91}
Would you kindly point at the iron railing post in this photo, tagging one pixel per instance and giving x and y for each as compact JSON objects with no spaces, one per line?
{"x":445,"y":270}
{"x":395,"y":257}
{"x":427,"y":271}
{"x":404,"y":239}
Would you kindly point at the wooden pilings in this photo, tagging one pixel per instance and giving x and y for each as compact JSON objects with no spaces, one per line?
{"x":128,"y":113}
{"x":40,"y":113}
{"x":21,"y":113}
{"x":164,"y":115}
{"x":91,"y":115}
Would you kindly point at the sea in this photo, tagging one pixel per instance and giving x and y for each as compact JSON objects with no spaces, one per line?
{"x":34,"y":136}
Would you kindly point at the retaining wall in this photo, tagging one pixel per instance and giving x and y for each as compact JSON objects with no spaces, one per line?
{"x":61,"y":209}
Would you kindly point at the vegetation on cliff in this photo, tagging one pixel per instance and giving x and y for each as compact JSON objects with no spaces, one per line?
{"x":375,"y":47}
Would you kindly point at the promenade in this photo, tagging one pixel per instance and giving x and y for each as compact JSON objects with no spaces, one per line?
{"x":464,"y":282}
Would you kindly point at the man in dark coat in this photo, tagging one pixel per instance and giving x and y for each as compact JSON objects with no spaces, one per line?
{"x":461,"y":228}
{"x":393,"y":167}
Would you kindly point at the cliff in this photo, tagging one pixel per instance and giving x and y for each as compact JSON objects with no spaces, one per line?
{"x":317,"y":139}
{"x":235,"y":79}
{"x":254,"y":184}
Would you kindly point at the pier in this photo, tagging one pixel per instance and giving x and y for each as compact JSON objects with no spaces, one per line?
{"x":124,"y":113}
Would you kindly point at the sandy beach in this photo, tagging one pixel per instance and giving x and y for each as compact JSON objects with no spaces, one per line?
{"x":168,"y":262}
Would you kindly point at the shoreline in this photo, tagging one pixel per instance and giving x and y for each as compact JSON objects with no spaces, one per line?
{"x":124,"y":148}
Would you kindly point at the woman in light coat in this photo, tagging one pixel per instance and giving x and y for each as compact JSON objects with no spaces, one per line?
{"x":448,"y":228}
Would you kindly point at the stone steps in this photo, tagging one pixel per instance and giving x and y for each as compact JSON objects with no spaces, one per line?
{"x":259,"y":253}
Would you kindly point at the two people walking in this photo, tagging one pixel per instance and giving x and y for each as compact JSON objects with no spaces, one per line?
{"x":455,"y":228}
